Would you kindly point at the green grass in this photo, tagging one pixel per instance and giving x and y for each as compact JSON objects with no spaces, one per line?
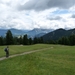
{"x":16,"y":49}
{"x":58,"y":60}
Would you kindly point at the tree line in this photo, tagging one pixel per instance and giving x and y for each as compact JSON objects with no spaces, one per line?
{"x":9,"y":39}
{"x":65,"y":40}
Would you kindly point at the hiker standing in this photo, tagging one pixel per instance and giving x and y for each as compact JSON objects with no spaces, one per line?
{"x":7,"y":51}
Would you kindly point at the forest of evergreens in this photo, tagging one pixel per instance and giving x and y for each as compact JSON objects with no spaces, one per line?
{"x":9,"y":39}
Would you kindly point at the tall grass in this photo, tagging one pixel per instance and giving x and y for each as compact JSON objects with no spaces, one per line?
{"x":58,"y":60}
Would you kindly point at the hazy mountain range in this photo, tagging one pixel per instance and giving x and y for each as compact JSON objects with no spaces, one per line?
{"x":47,"y":34}
{"x":31,"y":33}
{"x":15,"y":32}
{"x":38,"y":32}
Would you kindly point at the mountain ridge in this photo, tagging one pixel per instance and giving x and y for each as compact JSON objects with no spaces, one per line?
{"x":56,"y":34}
{"x":31,"y":33}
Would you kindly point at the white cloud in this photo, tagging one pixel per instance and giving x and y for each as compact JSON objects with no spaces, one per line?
{"x":37,"y":14}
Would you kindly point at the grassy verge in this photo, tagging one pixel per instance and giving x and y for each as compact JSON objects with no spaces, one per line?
{"x":58,"y":60}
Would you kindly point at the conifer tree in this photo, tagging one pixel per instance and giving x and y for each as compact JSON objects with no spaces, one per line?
{"x":9,"y":38}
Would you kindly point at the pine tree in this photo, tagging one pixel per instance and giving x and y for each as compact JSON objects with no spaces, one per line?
{"x":72,"y":39}
{"x":30,"y":41}
{"x":20,"y":40}
{"x":9,"y":38}
{"x":35,"y":40}
{"x":1,"y":41}
{"x":25,"y":40}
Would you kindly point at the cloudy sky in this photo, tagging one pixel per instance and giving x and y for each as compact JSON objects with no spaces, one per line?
{"x":29,"y":14}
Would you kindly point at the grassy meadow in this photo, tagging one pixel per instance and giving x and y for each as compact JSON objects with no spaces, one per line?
{"x":58,"y":60}
{"x":16,"y":49}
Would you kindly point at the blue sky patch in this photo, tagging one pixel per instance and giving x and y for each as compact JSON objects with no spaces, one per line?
{"x":61,"y":12}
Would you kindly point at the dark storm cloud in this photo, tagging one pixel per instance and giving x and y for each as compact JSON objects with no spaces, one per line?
{"x":40,"y":5}
{"x":73,"y":16}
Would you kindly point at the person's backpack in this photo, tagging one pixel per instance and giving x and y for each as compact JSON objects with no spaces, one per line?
{"x":5,"y":49}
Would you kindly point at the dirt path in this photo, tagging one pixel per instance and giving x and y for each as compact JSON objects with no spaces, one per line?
{"x":2,"y":58}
